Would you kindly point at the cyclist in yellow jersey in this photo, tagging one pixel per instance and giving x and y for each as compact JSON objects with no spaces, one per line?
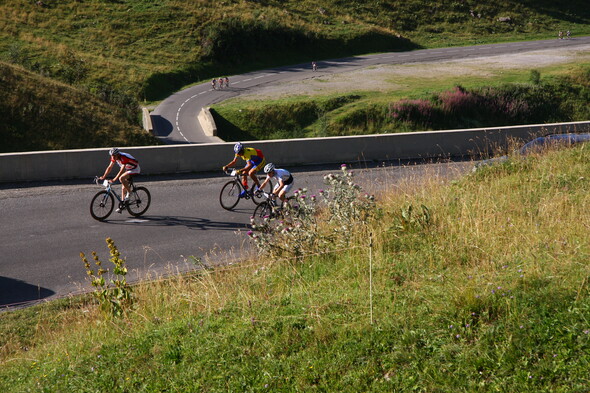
{"x":254,"y":162}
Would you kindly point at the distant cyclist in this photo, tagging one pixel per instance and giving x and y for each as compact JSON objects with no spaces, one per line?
{"x":283,"y":178}
{"x":129,"y":167}
{"x":220,"y":83}
{"x":254,"y":162}
{"x":226,"y":81}
{"x":214,"y":83}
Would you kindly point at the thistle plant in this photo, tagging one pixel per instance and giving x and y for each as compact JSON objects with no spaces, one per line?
{"x":313,"y":223}
{"x":346,"y":207}
{"x":114,"y":295}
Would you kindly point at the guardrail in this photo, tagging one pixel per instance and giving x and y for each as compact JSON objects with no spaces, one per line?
{"x":86,"y":163}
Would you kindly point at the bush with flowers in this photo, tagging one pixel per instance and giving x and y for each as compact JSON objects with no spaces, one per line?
{"x":311,"y":223}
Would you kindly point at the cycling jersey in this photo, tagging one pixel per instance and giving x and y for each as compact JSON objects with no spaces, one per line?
{"x":283,"y":175}
{"x":126,"y":160}
{"x":286,"y":177}
{"x":252,"y":155}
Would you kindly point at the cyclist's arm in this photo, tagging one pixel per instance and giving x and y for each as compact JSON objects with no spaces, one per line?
{"x":106,"y":172}
{"x":264,"y":182}
{"x":232,"y":163}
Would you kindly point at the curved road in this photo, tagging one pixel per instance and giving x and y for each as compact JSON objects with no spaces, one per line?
{"x":175,"y":119}
{"x":46,"y":226}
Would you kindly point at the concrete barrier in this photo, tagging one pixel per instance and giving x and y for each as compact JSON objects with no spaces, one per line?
{"x":207,"y":122}
{"x":86,"y":163}
{"x":147,"y":120}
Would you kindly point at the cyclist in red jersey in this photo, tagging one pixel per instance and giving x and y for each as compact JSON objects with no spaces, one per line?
{"x":129,"y":167}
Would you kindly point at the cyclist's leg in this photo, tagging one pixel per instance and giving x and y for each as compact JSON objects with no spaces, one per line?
{"x":255,"y":169}
{"x":125,"y":180}
{"x":284,"y":190}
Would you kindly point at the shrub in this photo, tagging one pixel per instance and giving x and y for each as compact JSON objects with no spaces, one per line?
{"x":115,"y":296}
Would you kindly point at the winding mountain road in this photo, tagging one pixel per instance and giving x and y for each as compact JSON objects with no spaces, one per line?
{"x":175,"y":119}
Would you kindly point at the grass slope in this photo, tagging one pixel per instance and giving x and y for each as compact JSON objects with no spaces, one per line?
{"x":480,"y":285}
{"x":146,"y":48}
{"x":41,"y":114}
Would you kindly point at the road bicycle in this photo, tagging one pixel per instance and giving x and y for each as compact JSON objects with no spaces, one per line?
{"x":268,"y":213}
{"x":103,"y":202}
{"x":230,"y":192}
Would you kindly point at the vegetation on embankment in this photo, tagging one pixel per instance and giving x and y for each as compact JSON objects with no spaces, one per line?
{"x":136,"y":50}
{"x":528,"y":98}
{"x":477,"y":285}
{"x":38,"y":113}
{"x":148,"y":48}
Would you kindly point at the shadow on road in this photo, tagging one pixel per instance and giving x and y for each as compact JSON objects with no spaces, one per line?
{"x":14,"y":292}
{"x":189,"y":222}
{"x":162,"y":127}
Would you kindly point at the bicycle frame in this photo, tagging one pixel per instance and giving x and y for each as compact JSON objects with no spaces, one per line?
{"x":103,"y":202}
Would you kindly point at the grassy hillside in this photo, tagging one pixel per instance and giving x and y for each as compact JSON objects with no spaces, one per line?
{"x":480,"y":285}
{"x":129,"y":50}
{"x":146,"y":48}
{"x":40,"y":114}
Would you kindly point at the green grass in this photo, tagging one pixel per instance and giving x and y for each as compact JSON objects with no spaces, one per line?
{"x":490,"y":293}
{"x":42,"y":114}
{"x":141,"y":47}
{"x":143,"y":50}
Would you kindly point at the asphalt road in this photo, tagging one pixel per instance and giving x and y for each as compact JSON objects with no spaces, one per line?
{"x":175,"y":119}
{"x":44,"y":227}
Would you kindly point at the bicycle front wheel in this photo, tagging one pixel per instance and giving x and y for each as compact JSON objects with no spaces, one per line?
{"x":102,"y":205}
{"x":139,"y":201}
{"x":262,"y":215}
{"x":230,"y":195}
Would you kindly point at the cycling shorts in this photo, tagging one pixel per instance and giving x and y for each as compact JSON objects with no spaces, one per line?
{"x":133,"y":171}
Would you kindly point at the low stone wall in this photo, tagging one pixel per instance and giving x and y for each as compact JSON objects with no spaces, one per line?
{"x":86,"y":163}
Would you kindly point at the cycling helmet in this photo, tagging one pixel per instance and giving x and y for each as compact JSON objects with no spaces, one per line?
{"x":238,"y":147}
{"x":269,"y":167}
{"x":113,"y":151}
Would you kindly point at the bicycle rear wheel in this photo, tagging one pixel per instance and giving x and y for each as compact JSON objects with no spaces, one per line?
{"x":230,"y":195}
{"x":102,"y":205}
{"x":139,"y":201}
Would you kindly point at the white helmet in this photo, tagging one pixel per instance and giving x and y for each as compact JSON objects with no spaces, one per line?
{"x":114,"y":151}
{"x":269,"y":167}
{"x":238,"y":147}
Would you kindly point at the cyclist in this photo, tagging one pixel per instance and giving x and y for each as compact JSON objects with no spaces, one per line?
{"x":226,"y":81}
{"x":254,"y":162}
{"x":214,"y":83}
{"x":129,"y":167}
{"x":283,"y":178}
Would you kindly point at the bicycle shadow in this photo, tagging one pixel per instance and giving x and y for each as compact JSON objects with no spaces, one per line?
{"x":204,"y":224}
